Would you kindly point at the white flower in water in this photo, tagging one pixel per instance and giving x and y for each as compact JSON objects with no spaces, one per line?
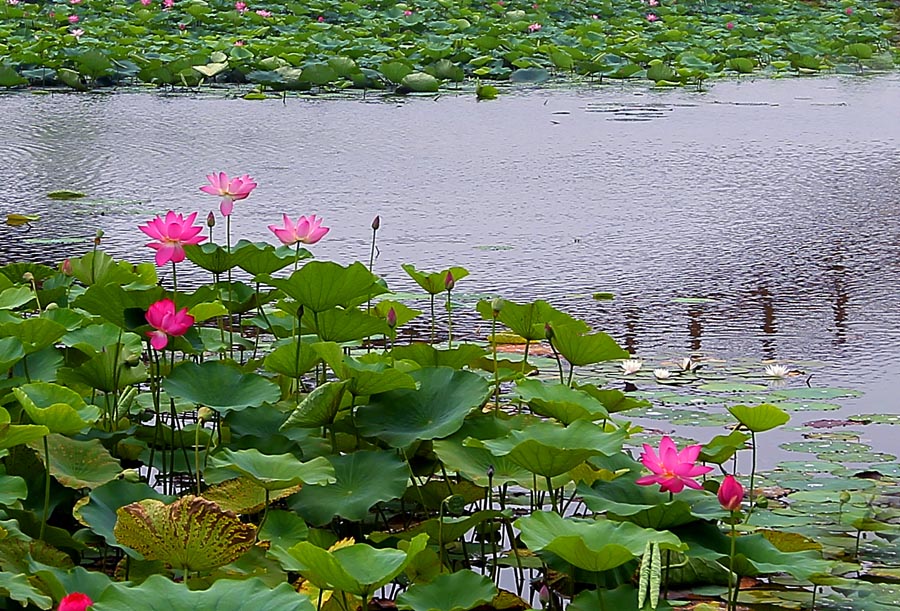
{"x":687,"y":364}
{"x":630,"y":366}
{"x":777,"y":371}
{"x":662,"y":374}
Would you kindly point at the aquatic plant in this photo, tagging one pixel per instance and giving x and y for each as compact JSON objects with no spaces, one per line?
{"x":150,"y":458}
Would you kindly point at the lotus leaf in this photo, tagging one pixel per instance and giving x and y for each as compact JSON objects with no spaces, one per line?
{"x":275,"y":471}
{"x":339,"y":325}
{"x":220,"y":386}
{"x":60,"y":409}
{"x":12,"y":489}
{"x":34,"y":333}
{"x":283,"y":528}
{"x":322,"y":285}
{"x":592,"y":545}
{"x":318,"y":408}
{"x":362,"y":479}
{"x":755,"y":555}
{"x":560,"y":402}
{"x":292,"y":360}
{"x":115,"y":303}
{"x":78,"y":464}
{"x":243,"y":495}
{"x":528,"y":320}
{"x":548,"y":449}
{"x":759,"y":418}
{"x":580,"y":349}
{"x":12,"y":435}
{"x":192,"y":533}
{"x":109,"y":371}
{"x":427,"y":355}
{"x":436,"y":409}
{"x":11,"y":352}
{"x":15,"y":297}
{"x":622,"y":499}
{"x":457,"y":591}
{"x":159,"y":593}
{"x":15,"y":586}
{"x":358,"y":569}
{"x":433,"y":282}
{"x":211,"y":257}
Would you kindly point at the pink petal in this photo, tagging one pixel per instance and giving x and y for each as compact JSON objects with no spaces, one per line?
{"x":158,"y":339}
{"x":165,"y":254}
{"x":226,"y":207}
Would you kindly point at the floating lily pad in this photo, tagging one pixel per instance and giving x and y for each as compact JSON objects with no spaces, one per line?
{"x":65,"y":194}
{"x":820,"y":394}
{"x":731,"y":387}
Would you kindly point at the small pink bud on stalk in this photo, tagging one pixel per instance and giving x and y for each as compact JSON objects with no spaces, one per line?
{"x":548,"y":332}
{"x":210,"y":219}
{"x":98,"y":237}
{"x":392,"y":318}
{"x":376,"y":223}
{"x":66,"y":267}
{"x":449,"y":281}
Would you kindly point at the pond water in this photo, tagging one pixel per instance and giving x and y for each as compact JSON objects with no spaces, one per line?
{"x":776,"y":201}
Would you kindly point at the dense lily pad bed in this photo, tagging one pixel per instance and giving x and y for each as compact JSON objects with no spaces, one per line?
{"x":425,"y":45}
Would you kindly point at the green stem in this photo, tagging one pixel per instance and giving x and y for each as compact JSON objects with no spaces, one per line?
{"x":449,"y":322}
{"x":432,"y":318}
{"x":752,"y":476}
{"x":265,"y":512}
{"x":197,"y":453}
{"x":44,"y":515}
{"x":496,"y":369}
{"x":732,"y":596}
{"x":230,"y":326}
{"x":558,"y":362}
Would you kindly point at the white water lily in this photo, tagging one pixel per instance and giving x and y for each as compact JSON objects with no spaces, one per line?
{"x":630,"y":366}
{"x":662,"y":374}
{"x":687,"y":364}
{"x":777,"y":371}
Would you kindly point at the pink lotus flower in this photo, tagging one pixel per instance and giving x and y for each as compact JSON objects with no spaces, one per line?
{"x":849,"y":10}
{"x":73,"y":18}
{"x":173,"y":233}
{"x":407,"y":13}
{"x":12,"y":2}
{"x":77,"y":33}
{"x":167,"y":4}
{"x":240,"y":7}
{"x":731,"y":493}
{"x":230,"y":190}
{"x":391,"y":318}
{"x":76,"y":601}
{"x":264,"y":13}
{"x":146,"y":2}
{"x":729,"y":25}
{"x":237,"y":43}
{"x":308,"y":230}
{"x":672,"y":470}
{"x":651,"y":17}
{"x":163,"y":317}
{"x":321,"y":19}
{"x":182,"y":26}
{"x":534,"y":27}
{"x":449,"y":281}
{"x":652,"y":2}
{"x":74,"y":1}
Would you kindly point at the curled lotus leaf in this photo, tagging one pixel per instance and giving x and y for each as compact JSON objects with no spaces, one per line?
{"x":192,"y":533}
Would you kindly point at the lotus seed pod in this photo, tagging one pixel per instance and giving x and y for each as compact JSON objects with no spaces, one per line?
{"x":496,"y":305}
{"x":51,"y":306}
{"x":28,"y":277}
{"x":130,"y":475}
{"x":844,"y":497}
{"x":205,"y":414}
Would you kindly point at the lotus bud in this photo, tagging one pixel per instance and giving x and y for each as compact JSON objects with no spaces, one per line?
{"x":844,"y":497}
{"x":66,"y":267}
{"x":97,"y":237}
{"x":548,"y":332}
{"x":449,"y":281}
{"x":392,"y":318}
{"x":376,"y":223}
{"x":490,"y":471}
{"x":762,"y":502}
{"x":130,"y":475}
{"x":496,"y":306}
{"x":731,"y":493}
{"x":300,"y":311}
{"x":205,"y":414}
{"x":210,"y":220}
{"x":544,"y":595}
{"x":51,"y":306}
{"x":28,"y":277}
{"x":76,"y":601}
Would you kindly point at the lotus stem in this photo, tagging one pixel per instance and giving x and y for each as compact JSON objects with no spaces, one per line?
{"x":265,"y":512}
{"x":432,"y":318}
{"x":449,"y":321}
{"x":44,"y":515}
{"x":558,"y":363}
{"x":230,"y":326}
{"x":732,"y":595}
{"x":752,"y":476}
{"x":197,"y":453}
{"x":496,"y":369}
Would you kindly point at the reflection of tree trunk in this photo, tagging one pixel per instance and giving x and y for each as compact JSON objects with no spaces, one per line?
{"x":695,"y":327}
{"x":631,"y":319}
{"x":769,"y":328}
{"x":841,"y":296}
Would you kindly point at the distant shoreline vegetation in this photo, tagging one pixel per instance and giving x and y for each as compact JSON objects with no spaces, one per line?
{"x":428,"y":45}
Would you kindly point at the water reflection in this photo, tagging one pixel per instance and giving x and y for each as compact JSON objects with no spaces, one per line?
{"x":738,"y":195}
